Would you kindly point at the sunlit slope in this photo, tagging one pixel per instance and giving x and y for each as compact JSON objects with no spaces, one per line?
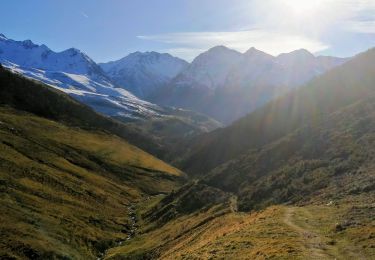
{"x":279,"y":232}
{"x":65,"y":191}
{"x":332,"y":91}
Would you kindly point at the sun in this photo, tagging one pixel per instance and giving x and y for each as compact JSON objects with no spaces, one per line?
{"x":303,"y":7}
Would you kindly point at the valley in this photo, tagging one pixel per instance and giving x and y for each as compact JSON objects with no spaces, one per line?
{"x":237,"y":153}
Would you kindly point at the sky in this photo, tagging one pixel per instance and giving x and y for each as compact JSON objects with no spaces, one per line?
{"x":110,"y":29}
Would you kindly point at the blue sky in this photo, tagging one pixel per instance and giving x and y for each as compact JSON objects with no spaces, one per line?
{"x":110,"y":29}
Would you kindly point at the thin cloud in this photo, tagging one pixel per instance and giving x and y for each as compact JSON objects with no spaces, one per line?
{"x":191,"y":43}
{"x":84,"y":15}
{"x":367,"y":27}
{"x":359,"y":16}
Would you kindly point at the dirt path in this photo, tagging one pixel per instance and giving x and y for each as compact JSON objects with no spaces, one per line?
{"x":318,"y":245}
{"x":311,"y":240}
{"x":233,"y":204}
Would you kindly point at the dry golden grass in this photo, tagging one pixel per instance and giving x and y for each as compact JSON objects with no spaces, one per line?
{"x":65,"y":192}
{"x":107,"y":147}
{"x":278,"y":232}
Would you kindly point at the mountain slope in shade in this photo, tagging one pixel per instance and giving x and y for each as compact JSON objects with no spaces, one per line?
{"x":75,"y":73}
{"x":333,"y":90}
{"x":226,"y":84}
{"x":305,"y":179}
{"x":144,"y":73}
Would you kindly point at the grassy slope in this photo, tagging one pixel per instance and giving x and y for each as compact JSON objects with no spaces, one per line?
{"x":326,"y":94}
{"x":65,"y":191}
{"x":336,"y":155}
{"x":278,"y":232}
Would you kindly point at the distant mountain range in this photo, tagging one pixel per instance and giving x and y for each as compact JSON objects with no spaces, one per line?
{"x":74,"y":73}
{"x":221,"y":83}
{"x":227,"y":85}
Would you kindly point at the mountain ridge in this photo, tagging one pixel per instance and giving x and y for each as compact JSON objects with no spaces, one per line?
{"x":220,"y":82}
{"x":143,"y":73}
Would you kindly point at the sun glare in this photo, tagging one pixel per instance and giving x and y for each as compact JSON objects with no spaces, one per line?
{"x":303,"y":7}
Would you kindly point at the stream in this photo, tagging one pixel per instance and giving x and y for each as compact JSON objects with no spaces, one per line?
{"x":132,"y":232}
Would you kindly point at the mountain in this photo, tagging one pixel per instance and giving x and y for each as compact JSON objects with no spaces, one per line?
{"x":30,"y":55}
{"x":227,"y":85}
{"x":68,"y":181}
{"x":209,"y":69}
{"x":75,"y":73}
{"x":323,"y":95}
{"x":144,"y":73}
{"x":292,"y":180}
{"x":193,"y":87}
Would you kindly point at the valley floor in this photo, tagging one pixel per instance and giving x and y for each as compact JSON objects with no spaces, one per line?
{"x":342,"y":229}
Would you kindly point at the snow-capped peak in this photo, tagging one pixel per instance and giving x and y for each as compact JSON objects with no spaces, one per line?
{"x":142,"y":73}
{"x":31,"y":55}
{"x":3,"y":37}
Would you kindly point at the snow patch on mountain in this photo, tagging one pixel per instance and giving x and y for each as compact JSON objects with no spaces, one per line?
{"x":76,"y":74}
{"x":144,"y":73}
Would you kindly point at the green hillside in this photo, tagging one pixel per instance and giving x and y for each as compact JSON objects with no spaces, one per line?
{"x":67,"y":189}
